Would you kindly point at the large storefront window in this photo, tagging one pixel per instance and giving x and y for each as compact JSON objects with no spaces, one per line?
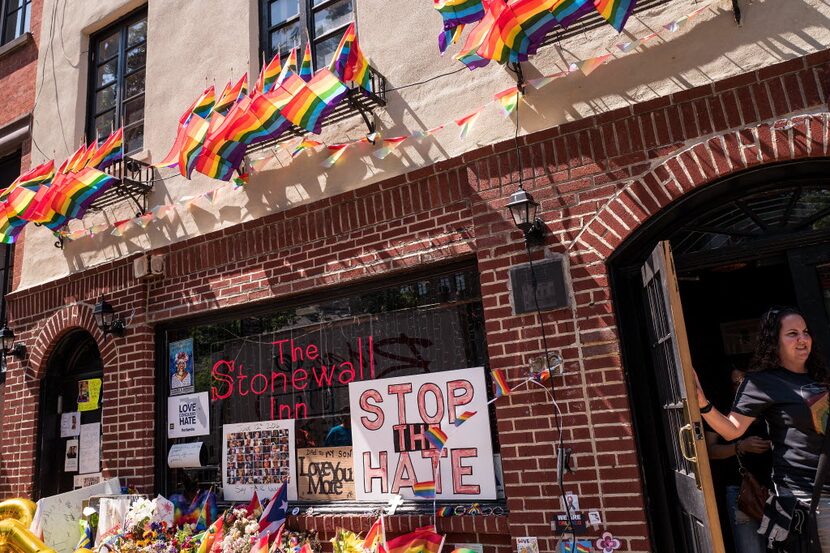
{"x":296,"y":363}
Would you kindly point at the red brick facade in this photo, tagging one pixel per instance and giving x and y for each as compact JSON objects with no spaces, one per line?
{"x":597,"y":179}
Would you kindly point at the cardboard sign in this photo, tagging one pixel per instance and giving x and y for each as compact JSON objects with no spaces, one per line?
{"x":325,"y":473}
{"x":389,"y":420}
{"x":188,"y":415}
{"x":258,"y":456}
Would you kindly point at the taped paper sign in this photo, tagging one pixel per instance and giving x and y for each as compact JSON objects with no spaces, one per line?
{"x":184,"y":456}
{"x":188,"y":415}
{"x":390,"y":419}
{"x":258,"y":456}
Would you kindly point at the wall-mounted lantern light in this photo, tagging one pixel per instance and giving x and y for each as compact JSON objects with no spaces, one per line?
{"x":106,"y":319}
{"x":524,"y":209}
{"x":8,"y":345}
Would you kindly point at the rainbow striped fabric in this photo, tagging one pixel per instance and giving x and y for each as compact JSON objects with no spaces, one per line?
{"x":444,"y":512}
{"x":502,"y":387}
{"x":290,"y":66}
{"x":389,"y":146}
{"x":172,"y":157}
{"x":818,"y":400}
{"x":269,"y":74}
{"x":615,"y":12}
{"x":72,"y":194}
{"x":305,"y":145}
{"x":32,"y":179}
{"x":195,"y":133}
{"x":306,"y":69}
{"x":110,"y":151}
{"x":436,"y":436}
{"x":348,"y":62}
{"x":508,"y":100}
{"x":568,"y":11}
{"x":230,"y":96}
{"x":311,"y":102}
{"x":455,"y":14}
{"x":466,"y":122}
{"x":464,"y":417}
{"x":423,"y":540}
{"x":424,"y":490}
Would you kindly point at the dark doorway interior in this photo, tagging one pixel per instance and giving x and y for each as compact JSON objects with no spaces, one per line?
{"x":741,"y":245}
{"x":75,"y":358}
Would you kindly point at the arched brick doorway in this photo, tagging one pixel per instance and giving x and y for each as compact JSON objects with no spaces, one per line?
{"x":741,"y":243}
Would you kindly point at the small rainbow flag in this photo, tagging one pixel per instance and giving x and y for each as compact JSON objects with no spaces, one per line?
{"x":75,"y":161}
{"x":389,"y":145}
{"x":110,"y":151}
{"x":32,"y":179}
{"x":502,"y":388}
{"x":463,"y":550}
{"x":615,"y":12}
{"x":508,"y":100}
{"x":306,"y":69}
{"x":306,"y":144}
{"x":464,"y":417}
{"x":204,"y":104}
{"x":467,"y":122}
{"x":335,"y":151}
{"x":311,"y":102}
{"x":267,"y":76}
{"x":424,"y":490}
{"x":290,"y":66}
{"x":436,"y":436}
{"x":455,"y":14}
{"x":588,"y":66}
{"x":230,"y":96}
{"x":568,"y":11}
{"x":348,"y":62}
{"x":195,"y":133}
{"x":445,"y":512}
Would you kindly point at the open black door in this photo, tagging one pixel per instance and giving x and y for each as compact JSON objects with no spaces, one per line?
{"x":683,"y":428}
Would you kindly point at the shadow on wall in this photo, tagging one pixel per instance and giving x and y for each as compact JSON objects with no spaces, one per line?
{"x":279,"y":189}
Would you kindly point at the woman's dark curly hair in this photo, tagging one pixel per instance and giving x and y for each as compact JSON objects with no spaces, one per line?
{"x":766,"y":351}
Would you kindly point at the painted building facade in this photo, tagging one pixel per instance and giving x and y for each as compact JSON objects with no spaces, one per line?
{"x":718,"y":125}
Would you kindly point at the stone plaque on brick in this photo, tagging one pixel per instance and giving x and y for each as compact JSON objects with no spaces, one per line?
{"x":551,"y":286}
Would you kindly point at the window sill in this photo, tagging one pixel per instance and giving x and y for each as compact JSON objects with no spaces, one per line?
{"x":23,"y":40}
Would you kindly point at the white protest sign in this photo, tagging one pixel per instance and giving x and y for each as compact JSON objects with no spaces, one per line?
{"x":390,"y":418}
{"x":188,"y":415}
{"x":258,"y":456}
{"x":185,"y":456}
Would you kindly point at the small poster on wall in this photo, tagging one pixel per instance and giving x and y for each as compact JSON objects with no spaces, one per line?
{"x":396,"y":423}
{"x":89,"y":452}
{"x":258,"y":456}
{"x":70,"y":461}
{"x":325,"y":473}
{"x":89,"y":392}
{"x":188,"y":415}
{"x":181,"y":367}
{"x":70,"y":424}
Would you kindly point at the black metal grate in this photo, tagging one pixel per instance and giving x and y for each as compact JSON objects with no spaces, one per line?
{"x":357,"y":101}
{"x":135,"y":181}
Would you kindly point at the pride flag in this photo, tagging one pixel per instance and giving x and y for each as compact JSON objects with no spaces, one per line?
{"x":194,"y":138}
{"x":467,"y":122}
{"x":172,"y":157}
{"x":502,"y":387}
{"x":455,"y":13}
{"x":231,"y":96}
{"x":32,"y":179}
{"x":306,"y":68}
{"x":348,"y":62}
{"x":110,"y":151}
{"x":508,"y":100}
{"x":389,"y":146}
{"x":211,"y":535}
{"x":311,"y":102}
{"x":268,"y":76}
{"x":464,"y":417}
{"x":289,"y":68}
{"x":436,"y":437}
{"x":423,"y":540}
{"x":424,"y":490}
{"x":72,"y":194}
{"x":615,"y":12}
{"x":376,"y":535}
{"x":568,"y":11}
{"x":10,"y":224}
{"x":75,"y":161}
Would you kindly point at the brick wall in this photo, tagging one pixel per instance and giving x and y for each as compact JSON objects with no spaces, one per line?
{"x":597,"y":180}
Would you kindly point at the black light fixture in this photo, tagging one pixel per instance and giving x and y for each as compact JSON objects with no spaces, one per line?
{"x":106,"y":319}
{"x":7,"y":341}
{"x":523,"y":209}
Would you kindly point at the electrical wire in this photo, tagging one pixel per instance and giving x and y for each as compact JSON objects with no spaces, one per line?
{"x":557,"y":415}
{"x":426,"y":81}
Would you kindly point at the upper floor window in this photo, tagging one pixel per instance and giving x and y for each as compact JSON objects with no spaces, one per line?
{"x":118,"y":55}
{"x":284,"y":24}
{"x":16,"y":15}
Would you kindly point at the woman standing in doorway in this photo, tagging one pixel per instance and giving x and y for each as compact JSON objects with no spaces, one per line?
{"x":787,"y":388}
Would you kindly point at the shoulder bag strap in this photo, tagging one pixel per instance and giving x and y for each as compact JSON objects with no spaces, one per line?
{"x":821,"y":471}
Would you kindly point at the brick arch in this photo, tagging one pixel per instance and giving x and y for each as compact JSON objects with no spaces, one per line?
{"x":57,"y":326}
{"x":707,"y":160}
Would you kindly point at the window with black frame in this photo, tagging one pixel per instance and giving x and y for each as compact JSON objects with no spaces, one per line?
{"x":285,"y":24}
{"x":118,"y":56}
{"x":296,"y":363}
{"x":17,"y":15}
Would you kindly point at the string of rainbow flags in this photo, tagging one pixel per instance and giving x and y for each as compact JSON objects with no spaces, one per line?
{"x":506,"y":100}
